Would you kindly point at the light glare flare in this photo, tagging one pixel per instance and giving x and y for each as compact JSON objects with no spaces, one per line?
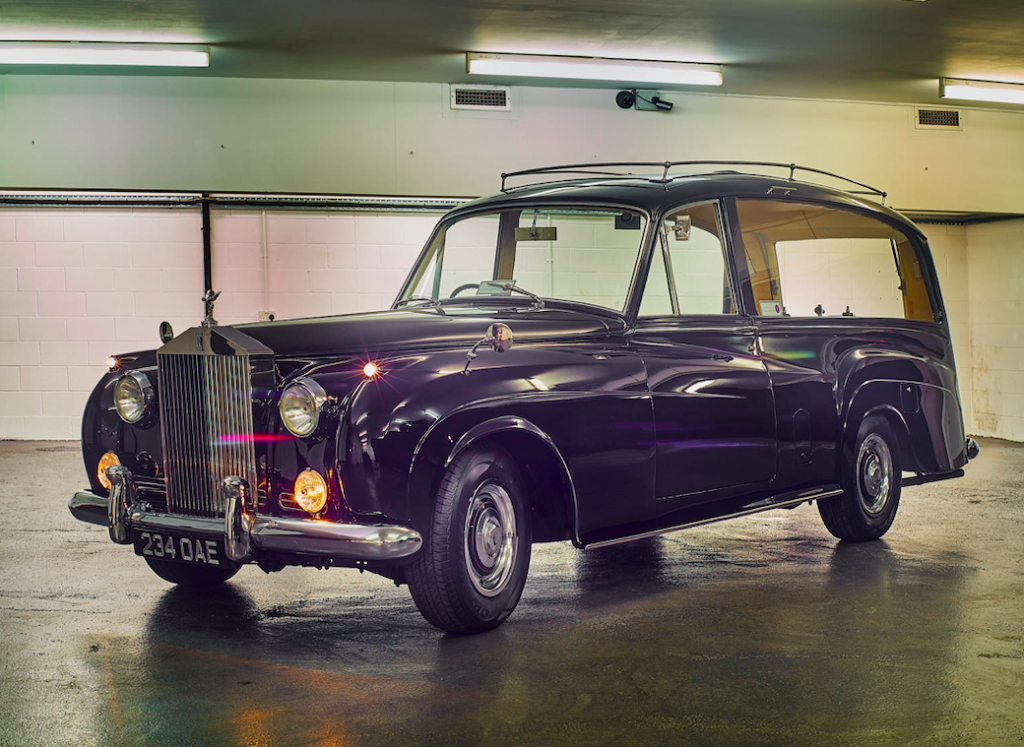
{"x":370,"y":370}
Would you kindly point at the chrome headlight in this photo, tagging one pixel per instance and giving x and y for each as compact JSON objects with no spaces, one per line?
{"x":301,"y":403}
{"x":132,"y":396}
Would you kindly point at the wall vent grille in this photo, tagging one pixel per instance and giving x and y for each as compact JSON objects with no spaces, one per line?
{"x":482,"y":98}
{"x":939,"y":119}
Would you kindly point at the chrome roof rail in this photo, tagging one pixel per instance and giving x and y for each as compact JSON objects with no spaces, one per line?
{"x":665,"y":177}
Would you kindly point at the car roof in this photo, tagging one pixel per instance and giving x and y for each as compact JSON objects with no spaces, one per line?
{"x":652,"y":194}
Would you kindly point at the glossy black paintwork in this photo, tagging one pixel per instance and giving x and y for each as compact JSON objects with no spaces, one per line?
{"x":637,"y":425}
{"x":713,"y":407}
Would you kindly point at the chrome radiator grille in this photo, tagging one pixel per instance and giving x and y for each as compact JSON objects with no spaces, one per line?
{"x":206,"y":407}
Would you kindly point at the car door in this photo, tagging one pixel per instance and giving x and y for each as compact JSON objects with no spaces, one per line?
{"x":712,"y":399}
{"x":827,"y":283}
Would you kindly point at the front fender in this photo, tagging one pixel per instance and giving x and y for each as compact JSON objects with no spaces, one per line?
{"x":590,"y":401}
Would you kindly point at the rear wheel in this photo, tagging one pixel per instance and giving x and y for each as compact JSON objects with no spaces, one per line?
{"x":471,"y":571}
{"x":192,"y":576}
{"x":871,"y":485}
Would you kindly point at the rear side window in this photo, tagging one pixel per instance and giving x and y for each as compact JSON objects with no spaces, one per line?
{"x":810,"y":260}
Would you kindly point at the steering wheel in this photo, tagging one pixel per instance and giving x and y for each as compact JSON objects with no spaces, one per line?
{"x":464,"y":286}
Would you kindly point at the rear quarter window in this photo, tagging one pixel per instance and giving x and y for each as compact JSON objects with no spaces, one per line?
{"x":809,"y":260}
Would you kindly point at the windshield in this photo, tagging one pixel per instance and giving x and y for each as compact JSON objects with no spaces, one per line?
{"x":570,"y":254}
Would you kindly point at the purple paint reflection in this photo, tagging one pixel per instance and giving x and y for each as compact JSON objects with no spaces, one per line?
{"x":257,"y":438}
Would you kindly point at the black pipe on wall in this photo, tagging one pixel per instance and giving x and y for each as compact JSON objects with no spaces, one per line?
{"x":207,"y":245}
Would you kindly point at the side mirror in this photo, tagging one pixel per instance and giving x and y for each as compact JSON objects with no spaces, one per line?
{"x":166,"y":332}
{"x":682,"y":228}
{"x":499,"y":337}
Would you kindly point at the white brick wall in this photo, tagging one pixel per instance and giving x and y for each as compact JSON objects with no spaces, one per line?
{"x":320,"y":262}
{"x":78,"y":285}
{"x":995,"y":264}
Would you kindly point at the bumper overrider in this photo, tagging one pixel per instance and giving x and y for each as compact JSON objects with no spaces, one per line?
{"x":246,"y":535}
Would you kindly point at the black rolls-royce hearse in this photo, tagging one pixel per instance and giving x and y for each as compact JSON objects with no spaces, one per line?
{"x":596,"y":356}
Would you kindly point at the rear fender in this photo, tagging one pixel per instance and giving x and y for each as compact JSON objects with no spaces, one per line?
{"x":925,"y":417}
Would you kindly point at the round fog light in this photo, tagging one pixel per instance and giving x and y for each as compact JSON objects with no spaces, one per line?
{"x":311,"y":491}
{"x":107,"y":460}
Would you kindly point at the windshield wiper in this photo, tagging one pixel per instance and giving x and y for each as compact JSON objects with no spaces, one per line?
{"x":412,"y":299}
{"x":538,"y":302}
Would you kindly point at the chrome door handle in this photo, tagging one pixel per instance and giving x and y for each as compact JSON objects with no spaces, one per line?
{"x":721,"y":357}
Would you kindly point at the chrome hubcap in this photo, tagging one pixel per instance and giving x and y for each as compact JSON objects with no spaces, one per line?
{"x":875,"y":472}
{"x":490,"y":539}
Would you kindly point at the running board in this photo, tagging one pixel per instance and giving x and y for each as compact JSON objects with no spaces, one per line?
{"x":753,"y":508}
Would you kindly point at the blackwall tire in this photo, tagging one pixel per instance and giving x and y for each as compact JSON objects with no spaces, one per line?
{"x":471,"y":570}
{"x":871,"y":476}
{"x":192,"y":576}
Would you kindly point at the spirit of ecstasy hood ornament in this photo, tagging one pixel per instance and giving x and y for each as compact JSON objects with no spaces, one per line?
{"x":208,"y":298}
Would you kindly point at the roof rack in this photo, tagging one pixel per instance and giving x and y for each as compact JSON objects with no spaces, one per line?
{"x":601,"y":169}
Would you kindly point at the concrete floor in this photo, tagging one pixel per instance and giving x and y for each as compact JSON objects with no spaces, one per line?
{"x":762,"y":630}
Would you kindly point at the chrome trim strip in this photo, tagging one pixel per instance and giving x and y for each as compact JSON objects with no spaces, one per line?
{"x":782,"y":504}
{"x":157,"y":521}
{"x":358,"y":541}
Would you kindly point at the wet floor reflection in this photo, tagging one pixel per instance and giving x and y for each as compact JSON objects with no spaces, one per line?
{"x":643,"y":648}
{"x":762,"y":630}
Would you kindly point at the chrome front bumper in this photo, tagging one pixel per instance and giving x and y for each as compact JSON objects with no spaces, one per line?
{"x":246,"y":535}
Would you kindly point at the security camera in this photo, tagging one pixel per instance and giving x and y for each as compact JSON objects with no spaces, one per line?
{"x":665,"y":106}
{"x":642,"y":100}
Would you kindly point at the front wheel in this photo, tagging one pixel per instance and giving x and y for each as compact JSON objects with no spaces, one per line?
{"x":871,"y":485}
{"x":192,"y":576}
{"x":471,"y":571}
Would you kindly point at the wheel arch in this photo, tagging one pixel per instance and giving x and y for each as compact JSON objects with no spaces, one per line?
{"x":549,"y":485}
{"x":892,"y":415}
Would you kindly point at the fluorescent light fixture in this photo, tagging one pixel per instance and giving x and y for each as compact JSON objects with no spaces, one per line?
{"x":981,"y":90}
{"x":87,"y":53}
{"x":594,"y":68}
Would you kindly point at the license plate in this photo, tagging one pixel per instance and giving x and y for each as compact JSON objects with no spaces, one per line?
{"x":180,"y":547}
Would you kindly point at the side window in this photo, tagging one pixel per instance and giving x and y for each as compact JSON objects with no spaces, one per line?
{"x":688,"y":272}
{"x":810,"y":260}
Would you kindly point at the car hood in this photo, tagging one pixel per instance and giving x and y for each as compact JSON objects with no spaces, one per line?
{"x":424,"y":328}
